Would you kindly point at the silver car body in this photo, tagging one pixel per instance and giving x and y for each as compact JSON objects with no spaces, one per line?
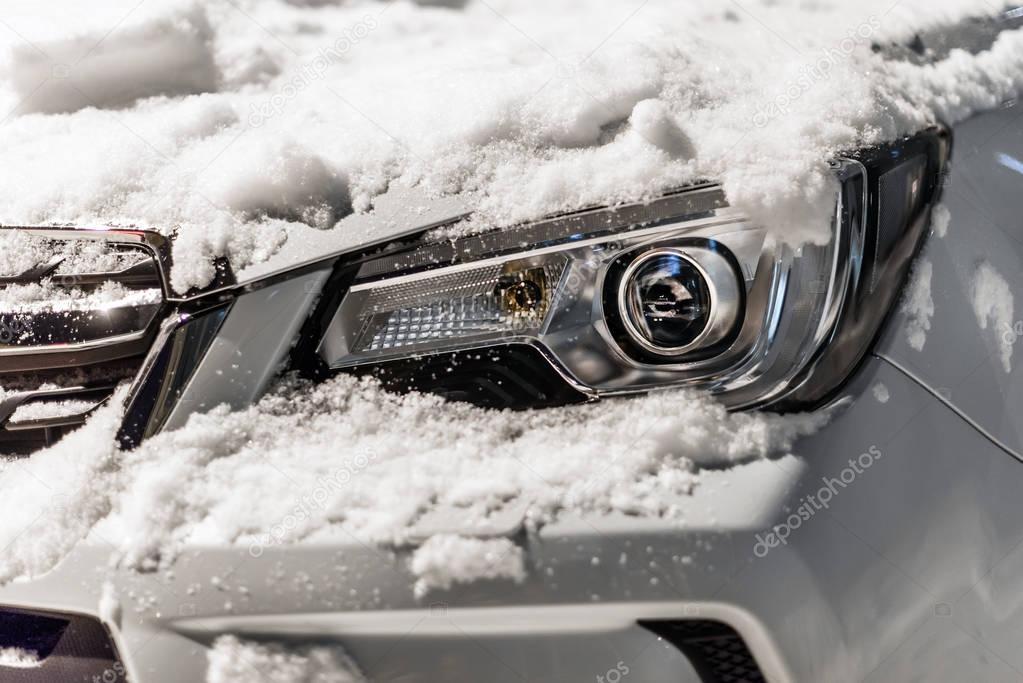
{"x":909,"y":572}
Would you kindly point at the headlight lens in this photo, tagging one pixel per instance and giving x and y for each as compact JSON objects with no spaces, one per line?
{"x":665,"y":301}
{"x":684,"y":290}
{"x":673,"y":301}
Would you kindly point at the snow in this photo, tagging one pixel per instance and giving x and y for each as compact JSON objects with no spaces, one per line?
{"x":50,"y":297}
{"x":940,"y":219}
{"x":109,"y":608}
{"x":21,"y":252}
{"x":334,"y":462}
{"x":169,"y":55}
{"x":53,"y":499}
{"x":232,"y":660}
{"x":918,"y":305}
{"x":270,"y":131}
{"x":244,"y":125}
{"x":444,"y":560}
{"x":40,"y":410}
{"x":993,"y":305}
{"x":19,"y":658}
{"x":881,"y":392}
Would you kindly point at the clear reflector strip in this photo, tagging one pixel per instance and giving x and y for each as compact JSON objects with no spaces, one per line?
{"x":493,"y":300}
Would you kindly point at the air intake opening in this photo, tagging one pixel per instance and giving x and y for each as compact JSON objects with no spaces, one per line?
{"x":716,"y":650}
{"x":43,"y":646}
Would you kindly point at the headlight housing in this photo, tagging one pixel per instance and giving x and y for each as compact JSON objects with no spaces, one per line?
{"x":682,"y":291}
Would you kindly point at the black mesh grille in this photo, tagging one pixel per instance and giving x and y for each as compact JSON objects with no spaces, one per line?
{"x":716,"y":650}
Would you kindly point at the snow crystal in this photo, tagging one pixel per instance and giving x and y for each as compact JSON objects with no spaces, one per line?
{"x":192,"y":118}
{"x":445,"y":560}
{"x":19,"y":253}
{"x":993,"y":306}
{"x":232,"y":660}
{"x":881,"y":392}
{"x":918,"y":305}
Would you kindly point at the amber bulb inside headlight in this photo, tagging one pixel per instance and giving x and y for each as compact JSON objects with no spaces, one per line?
{"x":522,"y":292}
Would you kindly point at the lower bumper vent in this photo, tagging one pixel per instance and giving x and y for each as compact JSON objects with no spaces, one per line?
{"x":45,"y":647}
{"x":716,"y":650}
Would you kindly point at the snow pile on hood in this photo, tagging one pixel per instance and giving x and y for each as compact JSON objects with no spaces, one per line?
{"x":245,"y":123}
{"x":169,"y":55}
{"x":346,"y":460}
{"x":232,"y":660}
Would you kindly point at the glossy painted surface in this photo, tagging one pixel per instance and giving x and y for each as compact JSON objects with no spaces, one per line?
{"x":250,"y":347}
{"x":961,"y":360}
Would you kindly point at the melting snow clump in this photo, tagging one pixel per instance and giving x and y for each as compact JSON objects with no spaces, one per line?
{"x":445,"y":560}
{"x":940,"y":219}
{"x":109,"y":605}
{"x":993,"y":306}
{"x":19,"y":658}
{"x":918,"y":305}
{"x":232,"y":660}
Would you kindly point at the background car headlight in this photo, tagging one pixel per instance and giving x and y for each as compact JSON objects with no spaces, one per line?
{"x":684,"y":290}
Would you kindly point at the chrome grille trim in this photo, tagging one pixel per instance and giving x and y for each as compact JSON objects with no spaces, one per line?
{"x":77,"y":325}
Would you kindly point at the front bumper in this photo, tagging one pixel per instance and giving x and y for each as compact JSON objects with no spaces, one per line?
{"x":909,"y":569}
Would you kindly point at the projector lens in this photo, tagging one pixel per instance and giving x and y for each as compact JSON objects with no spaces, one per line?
{"x":665,"y":301}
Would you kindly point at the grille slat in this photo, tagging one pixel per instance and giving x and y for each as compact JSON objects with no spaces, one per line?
{"x":79,"y":309}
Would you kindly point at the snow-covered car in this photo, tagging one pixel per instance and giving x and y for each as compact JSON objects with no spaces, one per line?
{"x":649,"y":439}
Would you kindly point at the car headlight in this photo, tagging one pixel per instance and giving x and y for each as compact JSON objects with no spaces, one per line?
{"x":681,"y":291}
{"x":684,"y":290}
